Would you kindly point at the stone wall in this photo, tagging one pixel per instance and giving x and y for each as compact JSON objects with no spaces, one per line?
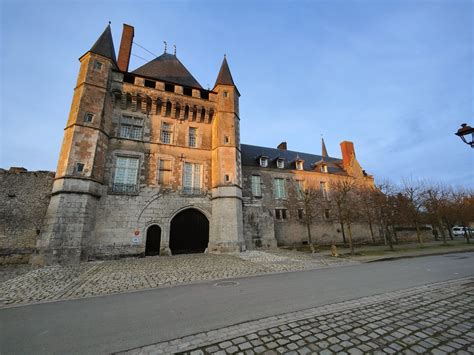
{"x":24,"y":199}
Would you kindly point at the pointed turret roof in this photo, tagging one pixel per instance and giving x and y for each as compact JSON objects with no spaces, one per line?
{"x":104,"y":46}
{"x":167,"y":67}
{"x":324,"y":152}
{"x":225,"y":77}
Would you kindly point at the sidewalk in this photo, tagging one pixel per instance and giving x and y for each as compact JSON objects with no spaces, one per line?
{"x":371,"y":253}
{"x":435,"y":318}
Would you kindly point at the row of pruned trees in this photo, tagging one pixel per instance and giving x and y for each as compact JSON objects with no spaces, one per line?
{"x":385,"y":207}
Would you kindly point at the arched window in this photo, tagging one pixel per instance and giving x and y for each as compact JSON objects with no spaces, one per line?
{"x":168,"y":109}
{"x":178,"y":111}
{"x":186,"y":112}
{"x":159,"y":104}
{"x":203,"y":114}
{"x":128,"y":105}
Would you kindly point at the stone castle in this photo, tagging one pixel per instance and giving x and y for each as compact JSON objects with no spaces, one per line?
{"x":151,"y":163}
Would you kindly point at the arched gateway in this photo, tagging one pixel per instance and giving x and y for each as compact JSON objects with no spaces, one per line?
{"x":153,"y":240}
{"x":189,"y":232}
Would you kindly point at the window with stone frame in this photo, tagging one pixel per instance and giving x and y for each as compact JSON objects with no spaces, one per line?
{"x":126,"y":174}
{"x":299,"y":165}
{"x":280,"y":163}
{"x":256,"y":186}
{"x":300,"y":213}
{"x":131,"y":127}
{"x":279,"y":188}
{"x":281,"y":213}
{"x":263,"y":162}
{"x":166,"y":135}
{"x":324,"y":191}
{"x":192,"y":178}
{"x":164,"y":171}
{"x":299,"y":188}
{"x":192,"y":137}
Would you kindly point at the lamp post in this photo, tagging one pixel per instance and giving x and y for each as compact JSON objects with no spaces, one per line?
{"x":464,"y":132}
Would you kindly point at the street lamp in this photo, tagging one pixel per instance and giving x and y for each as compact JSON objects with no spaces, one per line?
{"x":464,"y":132}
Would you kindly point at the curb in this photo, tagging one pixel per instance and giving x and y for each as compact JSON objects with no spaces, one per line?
{"x":417,"y":255}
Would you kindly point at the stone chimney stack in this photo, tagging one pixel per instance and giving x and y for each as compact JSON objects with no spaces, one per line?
{"x":282,"y":146}
{"x":125,"y":47}
{"x":348,"y":153}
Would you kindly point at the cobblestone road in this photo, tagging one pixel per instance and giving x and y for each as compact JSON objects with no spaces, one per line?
{"x":436,"y":319}
{"x":100,"y":278}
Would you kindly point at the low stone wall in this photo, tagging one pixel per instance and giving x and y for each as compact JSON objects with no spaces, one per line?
{"x":24,"y":199}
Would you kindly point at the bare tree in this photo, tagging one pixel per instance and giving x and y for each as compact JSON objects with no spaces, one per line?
{"x":343,"y":193}
{"x":309,"y":199}
{"x":367,"y":196}
{"x":412,"y":192}
{"x":385,"y":209}
{"x":462,"y":207}
{"x":434,"y":198}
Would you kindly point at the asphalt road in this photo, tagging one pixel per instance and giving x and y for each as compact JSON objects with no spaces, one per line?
{"x":118,"y":322}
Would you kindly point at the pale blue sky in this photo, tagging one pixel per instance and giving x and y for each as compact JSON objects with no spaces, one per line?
{"x":394,"y":77}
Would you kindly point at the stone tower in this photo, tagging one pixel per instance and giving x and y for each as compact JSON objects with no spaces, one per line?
{"x":78,"y":184}
{"x":226,"y":227}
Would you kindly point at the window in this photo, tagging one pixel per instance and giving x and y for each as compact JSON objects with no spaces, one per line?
{"x":280,"y":163}
{"x":263,"y":162}
{"x":324,"y":191}
{"x":129,"y":78}
{"x":131,"y":127}
{"x":299,"y":188}
{"x":192,"y":137}
{"x":98,"y":65}
{"x":226,"y":140}
{"x":280,"y":192}
{"x":126,"y":171}
{"x":166,"y":133}
{"x":300,"y":213}
{"x":79,"y":167}
{"x":256,"y":186}
{"x":299,"y":165}
{"x":169,"y":87}
{"x":150,"y":83}
{"x":187,"y":91}
{"x":192,"y":179}
{"x":226,"y":94}
{"x":281,"y":213}
{"x":326,"y":213}
{"x":205,"y":94}
{"x":226,"y":178}
{"x":324,"y":168}
{"x":88,"y":117}
{"x":164,"y":171}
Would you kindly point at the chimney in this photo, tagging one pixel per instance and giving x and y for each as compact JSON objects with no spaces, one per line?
{"x":347,"y":149}
{"x":282,"y":146}
{"x":125,"y":47}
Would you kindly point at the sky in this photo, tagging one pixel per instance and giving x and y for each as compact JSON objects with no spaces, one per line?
{"x":394,"y":77}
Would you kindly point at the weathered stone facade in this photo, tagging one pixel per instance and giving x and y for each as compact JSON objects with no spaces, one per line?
{"x":23,"y":203}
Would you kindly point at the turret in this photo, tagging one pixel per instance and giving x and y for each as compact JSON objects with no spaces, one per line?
{"x":70,"y":219}
{"x":226,"y":233}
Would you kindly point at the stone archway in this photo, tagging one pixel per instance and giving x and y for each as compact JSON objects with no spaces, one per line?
{"x":153,"y":240}
{"x":189,"y":232}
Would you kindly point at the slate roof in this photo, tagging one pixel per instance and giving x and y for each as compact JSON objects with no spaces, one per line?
{"x":104,"y":45}
{"x":225,"y":77}
{"x":252,"y":153}
{"x":168,"y":68}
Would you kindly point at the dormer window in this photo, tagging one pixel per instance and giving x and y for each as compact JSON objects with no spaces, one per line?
{"x":263,"y":162}
{"x":280,"y":163}
{"x":324,"y":168}
{"x":299,"y":165}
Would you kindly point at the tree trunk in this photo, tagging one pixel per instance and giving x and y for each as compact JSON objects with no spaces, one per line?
{"x":343,"y":233}
{"x":442,"y":231}
{"x":467,"y":233}
{"x":418,"y":235}
{"x":389,"y":237}
{"x":371,"y":231}
{"x":395,"y":235}
{"x":310,"y":239}
{"x":351,"y":245}
{"x":449,"y":230}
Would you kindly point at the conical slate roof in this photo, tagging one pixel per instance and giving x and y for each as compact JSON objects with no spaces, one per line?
{"x":167,"y":67}
{"x":224,"y":77}
{"x":324,"y":151}
{"x":104,"y":46}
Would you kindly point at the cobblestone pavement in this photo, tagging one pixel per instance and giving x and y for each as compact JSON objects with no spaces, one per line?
{"x":436,"y":319}
{"x":106,"y":277}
